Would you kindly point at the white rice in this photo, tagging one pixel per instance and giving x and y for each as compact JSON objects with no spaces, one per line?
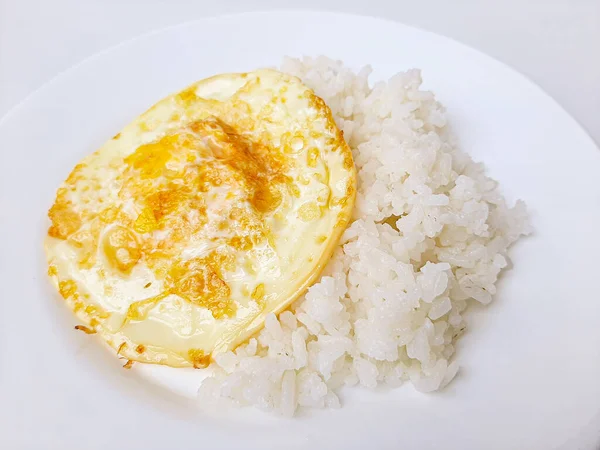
{"x":430,"y":235}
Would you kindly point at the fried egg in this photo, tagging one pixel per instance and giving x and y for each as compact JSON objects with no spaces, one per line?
{"x":219,"y":205}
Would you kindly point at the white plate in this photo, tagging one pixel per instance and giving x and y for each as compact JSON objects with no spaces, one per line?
{"x":530,"y":374}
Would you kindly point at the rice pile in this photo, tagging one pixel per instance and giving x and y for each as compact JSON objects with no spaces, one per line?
{"x":429,"y":236}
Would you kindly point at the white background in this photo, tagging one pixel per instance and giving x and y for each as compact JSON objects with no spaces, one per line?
{"x":554,"y":42}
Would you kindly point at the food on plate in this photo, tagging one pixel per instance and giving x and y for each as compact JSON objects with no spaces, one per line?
{"x":429,"y":236}
{"x":205,"y":218}
{"x":212,"y":210}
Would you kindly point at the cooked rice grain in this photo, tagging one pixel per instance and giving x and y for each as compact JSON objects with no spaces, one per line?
{"x":429,"y":236}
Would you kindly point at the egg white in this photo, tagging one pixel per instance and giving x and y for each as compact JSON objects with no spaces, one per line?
{"x":219,"y":205}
